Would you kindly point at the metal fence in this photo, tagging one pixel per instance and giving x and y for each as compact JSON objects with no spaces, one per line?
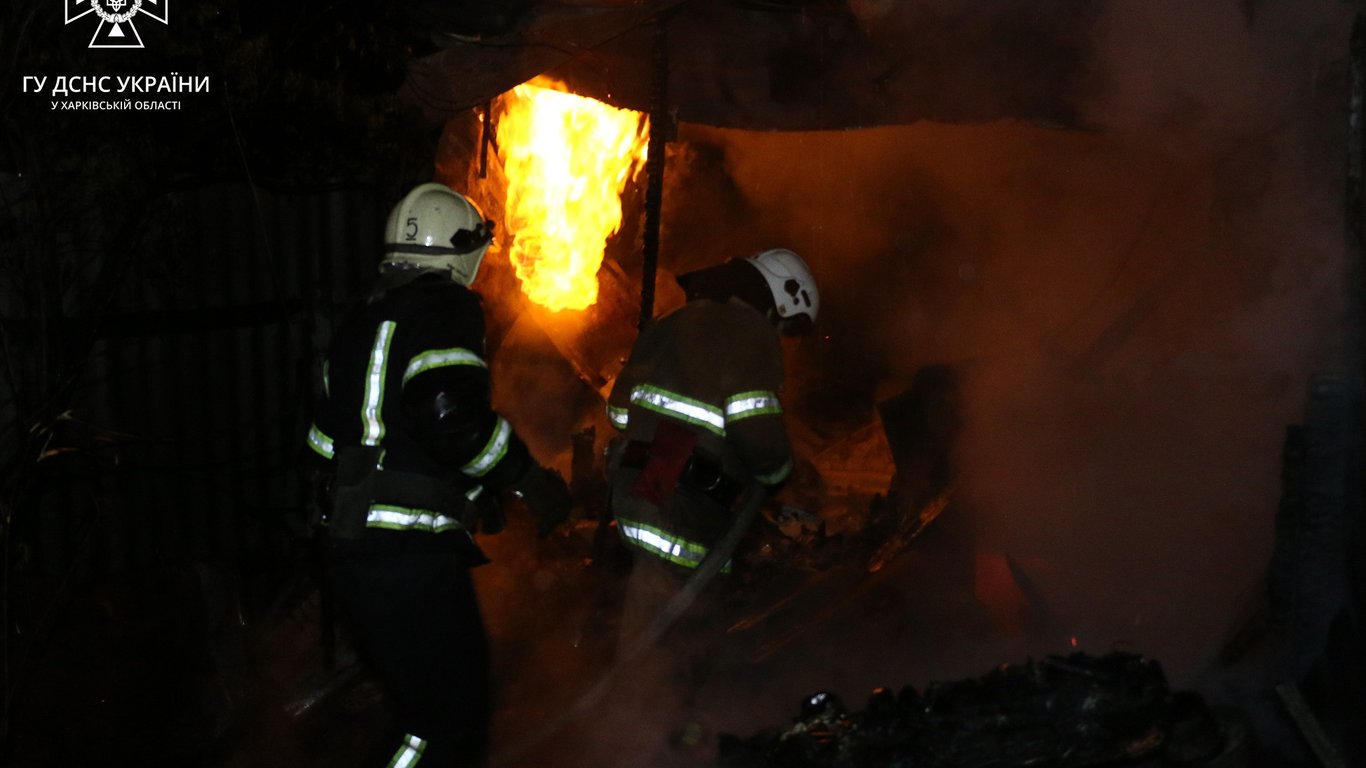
{"x":201,"y":382}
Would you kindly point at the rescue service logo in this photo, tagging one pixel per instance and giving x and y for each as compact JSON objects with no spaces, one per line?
{"x":115,"y":20}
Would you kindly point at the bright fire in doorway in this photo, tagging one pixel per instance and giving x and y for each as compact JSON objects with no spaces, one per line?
{"x":567,"y":159}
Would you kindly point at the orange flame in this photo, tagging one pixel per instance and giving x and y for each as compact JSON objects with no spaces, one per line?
{"x":567,"y":159}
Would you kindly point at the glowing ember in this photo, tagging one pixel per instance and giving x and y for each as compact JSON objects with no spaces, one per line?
{"x":567,"y":160}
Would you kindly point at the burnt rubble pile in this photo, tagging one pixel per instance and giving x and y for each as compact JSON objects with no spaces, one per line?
{"x":1068,"y":712}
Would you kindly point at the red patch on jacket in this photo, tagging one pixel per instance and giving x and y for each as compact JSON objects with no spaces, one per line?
{"x":670,"y":452}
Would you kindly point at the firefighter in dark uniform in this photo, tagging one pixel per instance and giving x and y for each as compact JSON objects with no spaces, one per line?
{"x":416,"y":455}
{"x":697,"y":405}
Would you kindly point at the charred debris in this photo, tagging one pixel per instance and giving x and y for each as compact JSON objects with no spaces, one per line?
{"x":1066,"y":711}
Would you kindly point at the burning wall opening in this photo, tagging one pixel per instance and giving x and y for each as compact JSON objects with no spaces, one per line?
{"x":560,"y":173}
{"x":566,"y":161}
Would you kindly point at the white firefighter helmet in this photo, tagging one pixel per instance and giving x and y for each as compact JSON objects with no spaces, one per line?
{"x":790,"y":282}
{"x":434,"y":227}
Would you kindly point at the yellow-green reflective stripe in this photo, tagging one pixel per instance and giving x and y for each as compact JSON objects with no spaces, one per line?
{"x":397,"y":518}
{"x":441,"y":358}
{"x":618,"y":416}
{"x":320,"y":442}
{"x":327,"y":378}
{"x":777,"y":475}
{"x":679,"y":407}
{"x":408,"y":754}
{"x":493,"y":452}
{"x":747,"y":404}
{"x":671,"y":548}
{"x":372,"y":425}
{"x":674,"y":548}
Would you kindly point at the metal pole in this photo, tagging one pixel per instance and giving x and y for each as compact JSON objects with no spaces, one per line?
{"x":654,"y":170}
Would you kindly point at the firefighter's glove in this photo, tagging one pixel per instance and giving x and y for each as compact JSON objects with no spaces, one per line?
{"x":546,"y":494}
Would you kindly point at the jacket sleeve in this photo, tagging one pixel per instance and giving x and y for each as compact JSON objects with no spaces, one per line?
{"x":322,"y":431}
{"x":446,"y":404}
{"x":753,"y":413}
{"x":619,"y":401}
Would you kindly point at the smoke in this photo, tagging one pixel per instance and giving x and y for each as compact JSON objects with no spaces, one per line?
{"x":1136,"y":307}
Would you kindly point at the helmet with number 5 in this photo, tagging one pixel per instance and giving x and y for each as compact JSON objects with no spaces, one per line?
{"x":790,"y":282}
{"x":434,"y":227}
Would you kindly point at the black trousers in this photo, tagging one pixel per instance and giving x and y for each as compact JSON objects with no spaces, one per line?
{"x":416,"y":621}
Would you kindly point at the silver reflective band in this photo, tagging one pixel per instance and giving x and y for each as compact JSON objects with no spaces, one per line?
{"x":618,"y":416}
{"x":373,"y":425}
{"x":676,"y":550}
{"x":408,"y":754}
{"x":327,"y":380}
{"x":669,"y":404}
{"x":747,"y":404}
{"x":493,"y":452}
{"x":320,"y":442}
{"x":405,"y":519}
{"x":440,"y":358}
{"x":671,"y":549}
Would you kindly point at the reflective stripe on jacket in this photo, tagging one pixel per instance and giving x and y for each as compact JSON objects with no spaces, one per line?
{"x":717,"y":369}
{"x":429,"y":330}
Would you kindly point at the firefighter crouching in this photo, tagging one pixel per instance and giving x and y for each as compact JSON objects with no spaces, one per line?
{"x":417,"y":457}
{"x":697,"y":406}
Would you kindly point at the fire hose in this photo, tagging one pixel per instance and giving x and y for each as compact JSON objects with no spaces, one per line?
{"x":747,"y":508}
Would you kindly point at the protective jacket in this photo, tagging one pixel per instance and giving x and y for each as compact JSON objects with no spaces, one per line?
{"x":406,"y":418}
{"x":697,"y":405}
